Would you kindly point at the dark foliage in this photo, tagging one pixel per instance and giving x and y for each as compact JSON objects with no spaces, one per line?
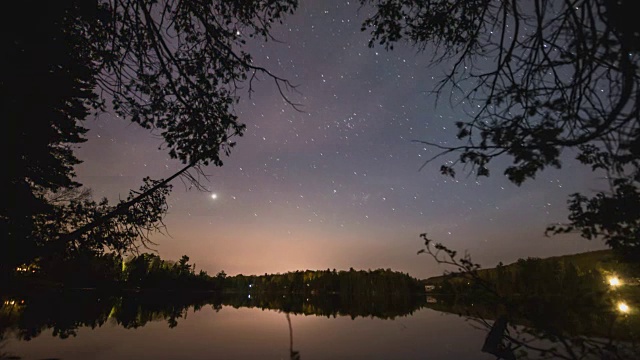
{"x":47,"y":85}
{"x":358,"y":282}
{"x":176,"y":66}
{"x":170,"y":289}
{"x":540,"y":77}
{"x":173,"y":67}
{"x":554,"y":308}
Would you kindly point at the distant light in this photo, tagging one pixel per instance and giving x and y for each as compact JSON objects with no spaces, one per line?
{"x":623,"y":307}
{"x":614,"y":281}
{"x":214,"y":196}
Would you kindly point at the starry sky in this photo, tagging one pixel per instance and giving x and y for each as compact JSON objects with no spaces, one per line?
{"x":339,"y":184}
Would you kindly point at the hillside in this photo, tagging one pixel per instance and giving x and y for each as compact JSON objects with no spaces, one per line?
{"x":603,"y":261}
{"x":570,"y":294}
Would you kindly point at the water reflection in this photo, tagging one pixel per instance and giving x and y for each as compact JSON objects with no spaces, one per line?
{"x":596,"y":327}
{"x":293,"y":355}
{"x":221,"y":327}
{"x":494,"y":342}
{"x":64,"y":313}
{"x":416,"y":331}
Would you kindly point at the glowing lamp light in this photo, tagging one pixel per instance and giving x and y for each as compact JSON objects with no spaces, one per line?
{"x":623,"y":307}
{"x":614,"y":281}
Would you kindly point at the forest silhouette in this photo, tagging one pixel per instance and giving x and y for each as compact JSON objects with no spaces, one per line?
{"x":546,"y":77}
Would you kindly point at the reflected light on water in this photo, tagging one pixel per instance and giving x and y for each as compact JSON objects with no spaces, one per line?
{"x":255,"y":333}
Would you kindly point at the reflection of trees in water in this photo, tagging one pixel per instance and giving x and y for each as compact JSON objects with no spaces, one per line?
{"x":494,"y":344}
{"x":379,"y":305}
{"x":509,"y":341}
{"x":582,"y":319}
{"x":521,"y":326}
{"x":540,"y":330}
{"x":64,"y":313}
{"x":293,"y":355}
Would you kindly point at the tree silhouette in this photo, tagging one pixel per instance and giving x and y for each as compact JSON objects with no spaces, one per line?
{"x":173,"y":67}
{"x":47,"y":85}
{"x":540,"y":77}
{"x":576,"y":324}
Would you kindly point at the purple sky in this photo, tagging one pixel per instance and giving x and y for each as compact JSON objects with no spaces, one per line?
{"x":338,"y":186}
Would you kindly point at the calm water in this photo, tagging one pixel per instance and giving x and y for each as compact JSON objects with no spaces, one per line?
{"x":252,"y":333}
{"x":93,"y":325}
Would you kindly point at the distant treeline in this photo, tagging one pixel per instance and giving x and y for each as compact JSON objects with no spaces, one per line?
{"x":532,"y":277}
{"x":149,"y":271}
{"x":136,"y":290}
{"x":329,"y":282}
{"x":112,"y":271}
{"x":567,"y":295}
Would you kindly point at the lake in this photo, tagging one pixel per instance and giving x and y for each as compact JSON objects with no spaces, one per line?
{"x":264,"y":334}
{"x":90,"y":325}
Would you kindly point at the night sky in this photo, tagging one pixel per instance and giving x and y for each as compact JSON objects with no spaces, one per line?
{"x":338,"y":185}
